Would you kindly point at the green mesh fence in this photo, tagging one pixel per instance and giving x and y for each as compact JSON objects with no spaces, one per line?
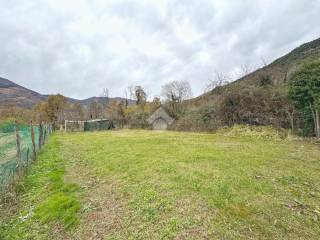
{"x":15,"y":160}
{"x":98,"y":125}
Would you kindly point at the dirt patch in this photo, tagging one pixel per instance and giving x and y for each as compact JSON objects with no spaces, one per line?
{"x":101,"y":213}
{"x":102,"y":204}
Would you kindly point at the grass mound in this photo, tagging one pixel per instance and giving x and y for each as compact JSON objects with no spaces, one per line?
{"x":255,"y":132}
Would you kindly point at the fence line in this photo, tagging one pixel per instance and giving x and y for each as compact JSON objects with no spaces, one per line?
{"x":19,"y":145}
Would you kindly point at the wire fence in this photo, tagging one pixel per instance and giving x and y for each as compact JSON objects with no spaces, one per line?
{"x":19,"y":145}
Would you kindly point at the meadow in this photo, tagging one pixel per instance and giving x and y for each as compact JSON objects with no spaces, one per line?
{"x":136,"y":184}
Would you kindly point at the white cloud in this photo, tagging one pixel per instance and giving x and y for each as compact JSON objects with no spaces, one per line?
{"x":78,"y":47}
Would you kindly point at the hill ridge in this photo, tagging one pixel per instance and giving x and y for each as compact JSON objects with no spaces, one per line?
{"x":12,"y":93}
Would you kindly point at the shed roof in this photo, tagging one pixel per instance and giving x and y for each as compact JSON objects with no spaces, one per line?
{"x":160,"y":113}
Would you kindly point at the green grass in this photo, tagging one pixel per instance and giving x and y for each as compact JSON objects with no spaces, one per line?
{"x":44,"y":200}
{"x":172,"y":185}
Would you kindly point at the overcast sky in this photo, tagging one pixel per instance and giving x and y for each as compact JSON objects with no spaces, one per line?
{"x":78,"y":47}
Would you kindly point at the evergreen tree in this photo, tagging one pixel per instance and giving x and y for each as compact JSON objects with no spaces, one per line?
{"x":304,"y":91}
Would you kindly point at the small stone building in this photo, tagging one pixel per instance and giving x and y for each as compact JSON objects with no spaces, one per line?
{"x":160,"y":119}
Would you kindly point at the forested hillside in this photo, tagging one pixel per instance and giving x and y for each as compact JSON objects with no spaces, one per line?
{"x":259,"y":98}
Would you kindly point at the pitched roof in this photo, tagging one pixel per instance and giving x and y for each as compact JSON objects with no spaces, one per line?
{"x":160,"y":113}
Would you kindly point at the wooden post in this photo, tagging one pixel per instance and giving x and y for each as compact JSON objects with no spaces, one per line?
{"x":317,"y":124}
{"x":28,"y":151}
{"x":40,"y":135}
{"x":33,"y":142}
{"x":44,"y":133}
{"x":18,"y":147}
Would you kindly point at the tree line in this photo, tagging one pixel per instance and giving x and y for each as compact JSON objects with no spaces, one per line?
{"x":295,"y":105}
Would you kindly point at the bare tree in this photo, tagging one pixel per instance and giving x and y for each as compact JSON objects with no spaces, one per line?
{"x":95,"y":110}
{"x":126,"y":97}
{"x":246,"y":68}
{"x":264,"y":62}
{"x":79,"y":111}
{"x":220,"y":79}
{"x":74,"y":111}
{"x":105,"y":95}
{"x":131,"y":91}
{"x":115,"y":112}
{"x":175,"y":92}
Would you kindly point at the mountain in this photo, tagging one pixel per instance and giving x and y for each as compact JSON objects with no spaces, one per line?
{"x":281,"y":69}
{"x":278,"y":72}
{"x":14,"y":94}
{"x":86,"y":102}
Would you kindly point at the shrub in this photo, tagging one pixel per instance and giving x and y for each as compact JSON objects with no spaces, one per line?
{"x":199,"y":119}
{"x":264,"y":80}
{"x":255,"y":106}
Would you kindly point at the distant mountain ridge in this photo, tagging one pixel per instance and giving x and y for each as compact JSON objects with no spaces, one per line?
{"x":14,"y":94}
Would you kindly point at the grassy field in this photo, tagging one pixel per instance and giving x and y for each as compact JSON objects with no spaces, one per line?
{"x":168,"y":185}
